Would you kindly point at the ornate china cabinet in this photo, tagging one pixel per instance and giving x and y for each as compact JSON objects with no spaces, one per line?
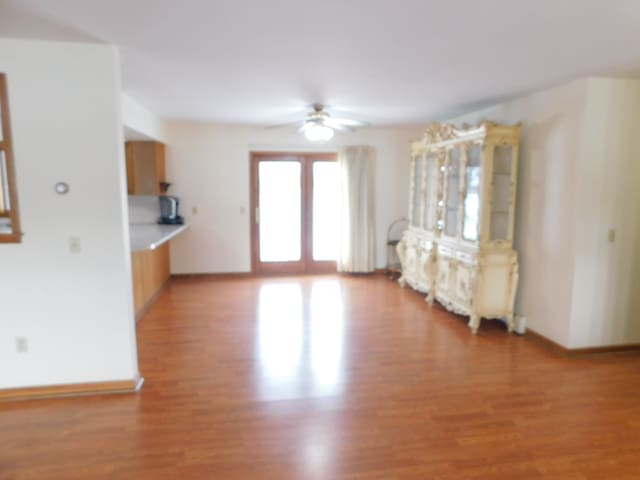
{"x":458,"y":248}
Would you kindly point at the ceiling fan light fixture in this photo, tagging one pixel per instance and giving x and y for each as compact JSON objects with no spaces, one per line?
{"x":318,"y":133}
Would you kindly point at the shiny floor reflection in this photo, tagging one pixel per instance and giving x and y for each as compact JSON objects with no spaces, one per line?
{"x":333,"y":378}
{"x":300,"y":341}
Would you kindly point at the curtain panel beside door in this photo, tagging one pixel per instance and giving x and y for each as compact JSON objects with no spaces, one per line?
{"x":357,"y":240}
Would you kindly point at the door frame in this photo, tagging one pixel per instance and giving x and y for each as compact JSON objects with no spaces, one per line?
{"x":306,"y":263}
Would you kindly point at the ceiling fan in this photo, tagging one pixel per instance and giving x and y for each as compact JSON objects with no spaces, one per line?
{"x":319,"y":125}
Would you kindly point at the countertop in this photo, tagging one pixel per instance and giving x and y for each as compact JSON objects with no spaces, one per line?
{"x":149,"y":236}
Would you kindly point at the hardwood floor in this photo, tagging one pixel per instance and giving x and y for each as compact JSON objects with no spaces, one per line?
{"x":333,"y":378}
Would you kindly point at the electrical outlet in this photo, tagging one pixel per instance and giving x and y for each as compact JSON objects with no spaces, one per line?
{"x":194,"y":210}
{"x":612,"y":235}
{"x":22,"y":346}
{"x":74,"y":245}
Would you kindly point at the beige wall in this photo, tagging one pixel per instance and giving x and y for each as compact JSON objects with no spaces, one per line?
{"x":606,"y":300}
{"x":578,"y":179}
{"x":74,"y":309}
{"x":140,"y":122}
{"x":209,"y":168}
{"x":544,"y":237}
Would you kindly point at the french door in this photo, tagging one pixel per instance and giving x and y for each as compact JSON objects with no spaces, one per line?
{"x":295,"y":213}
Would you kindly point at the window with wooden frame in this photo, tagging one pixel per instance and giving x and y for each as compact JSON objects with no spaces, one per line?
{"x":9,"y":221}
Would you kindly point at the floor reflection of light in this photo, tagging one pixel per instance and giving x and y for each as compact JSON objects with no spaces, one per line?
{"x":318,"y":451}
{"x":280,"y":333}
{"x":300,"y":340}
{"x":327,"y":331}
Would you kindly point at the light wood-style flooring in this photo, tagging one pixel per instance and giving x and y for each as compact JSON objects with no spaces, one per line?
{"x":333,"y":377}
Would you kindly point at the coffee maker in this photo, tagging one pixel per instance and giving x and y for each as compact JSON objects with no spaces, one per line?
{"x":169,"y":211}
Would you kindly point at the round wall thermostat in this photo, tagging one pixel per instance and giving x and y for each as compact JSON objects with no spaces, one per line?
{"x":61,"y":188}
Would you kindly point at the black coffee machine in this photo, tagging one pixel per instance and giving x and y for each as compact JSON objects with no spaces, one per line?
{"x":169,"y":211}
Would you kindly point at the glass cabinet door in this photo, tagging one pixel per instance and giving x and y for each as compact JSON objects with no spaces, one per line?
{"x":452,"y":199}
{"x":501,"y":182}
{"x":431,"y":183}
{"x":418,"y":194}
{"x":471,"y":218}
{"x":412,"y":190}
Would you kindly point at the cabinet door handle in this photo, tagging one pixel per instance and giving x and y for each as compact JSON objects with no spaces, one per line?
{"x":257,"y":215}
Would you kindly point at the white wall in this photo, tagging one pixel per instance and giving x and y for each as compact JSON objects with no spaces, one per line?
{"x":544,"y":237}
{"x":605,"y":302}
{"x":76,"y":310}
{"x":209,"y":168}
{"x":140,"y":122}
{"x":578,"y":179}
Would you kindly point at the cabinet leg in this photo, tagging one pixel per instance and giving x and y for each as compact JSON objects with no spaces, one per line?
{"x":474,"y":323}
{"x":430,"y":298}
{"x":510,"y":323}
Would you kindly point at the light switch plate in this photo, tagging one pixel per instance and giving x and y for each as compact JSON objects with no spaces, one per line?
{"x":22,"y":346}
{"x":74,"y":245}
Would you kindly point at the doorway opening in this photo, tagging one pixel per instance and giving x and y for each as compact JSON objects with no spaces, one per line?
{"x":295,"y":214}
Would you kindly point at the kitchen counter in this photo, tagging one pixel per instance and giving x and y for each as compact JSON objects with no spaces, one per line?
{"x":149,"y":236}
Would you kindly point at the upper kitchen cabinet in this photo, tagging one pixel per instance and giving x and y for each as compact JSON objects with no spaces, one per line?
{"x":145,"y":168}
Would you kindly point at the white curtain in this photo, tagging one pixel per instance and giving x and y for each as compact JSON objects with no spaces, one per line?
{"x":357,"y":242}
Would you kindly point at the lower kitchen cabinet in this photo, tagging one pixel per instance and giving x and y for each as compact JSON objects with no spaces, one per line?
{"x":150,"y":273}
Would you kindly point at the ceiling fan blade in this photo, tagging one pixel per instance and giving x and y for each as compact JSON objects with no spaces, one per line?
{"x":284,"y":125}
{"x":309,"y":124}
{"x":345,"y":122}
{"x":319,"y":116}
{"x":305,"y":126}
{"x":339,"y":128}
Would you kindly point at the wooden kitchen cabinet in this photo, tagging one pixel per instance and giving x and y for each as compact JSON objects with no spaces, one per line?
{"x":150,"y":274}
{"x":138,"y":275}
{"x":145,"y":167}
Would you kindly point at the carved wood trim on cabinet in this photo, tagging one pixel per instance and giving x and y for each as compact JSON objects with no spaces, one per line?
{"x":487,"y":266}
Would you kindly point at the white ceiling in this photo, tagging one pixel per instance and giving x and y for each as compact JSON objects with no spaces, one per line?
{"x":387,"y":62}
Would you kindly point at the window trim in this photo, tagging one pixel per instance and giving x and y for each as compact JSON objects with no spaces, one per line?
{"x":6,"y":145}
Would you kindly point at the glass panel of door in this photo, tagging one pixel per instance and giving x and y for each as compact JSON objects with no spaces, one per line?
{"x":325,"y":240}
{"x":296,"y":213}
{"x":280,"y":207}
